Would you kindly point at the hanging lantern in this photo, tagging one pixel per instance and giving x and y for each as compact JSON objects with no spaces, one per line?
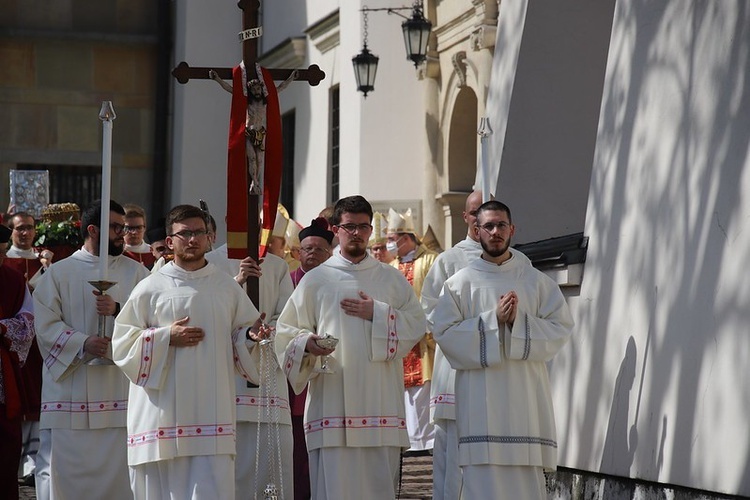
{"x":365,"y":67}
{"x":416,"y":35}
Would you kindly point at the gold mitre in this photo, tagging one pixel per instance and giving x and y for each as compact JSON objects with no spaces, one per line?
{"x":379,"y":229}
{"x":281,"y":222}
{"x":292,"y":234}
{"x":401,"y":223}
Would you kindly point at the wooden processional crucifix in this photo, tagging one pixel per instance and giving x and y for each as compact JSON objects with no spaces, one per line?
{"x":249,"y":39}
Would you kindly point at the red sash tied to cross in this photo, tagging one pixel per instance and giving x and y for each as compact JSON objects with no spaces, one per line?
{"x":237,"y":165}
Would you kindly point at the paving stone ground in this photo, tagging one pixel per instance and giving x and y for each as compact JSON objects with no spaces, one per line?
{"x":416,"y":481}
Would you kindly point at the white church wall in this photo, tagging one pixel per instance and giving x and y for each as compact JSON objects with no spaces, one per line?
{"x":653,"y":384}
{"x":201,"y":107}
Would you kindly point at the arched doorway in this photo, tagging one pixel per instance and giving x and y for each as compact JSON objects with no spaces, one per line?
{"x":462,"y":162}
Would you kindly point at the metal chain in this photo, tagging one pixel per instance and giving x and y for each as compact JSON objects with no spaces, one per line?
{"x":365,"y":13}
{"x":268,"y":404}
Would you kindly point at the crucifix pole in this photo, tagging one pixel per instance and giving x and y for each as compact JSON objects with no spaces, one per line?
{"x":249,"y":35}
{"x":249,"y":56}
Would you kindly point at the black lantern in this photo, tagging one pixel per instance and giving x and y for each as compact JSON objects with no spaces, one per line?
{"x":416,"y":35}
{"x":365,"y":66}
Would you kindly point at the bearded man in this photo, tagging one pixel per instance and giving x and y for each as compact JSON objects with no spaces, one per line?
{"x":82,"y":449}
{"x":498,"y":322}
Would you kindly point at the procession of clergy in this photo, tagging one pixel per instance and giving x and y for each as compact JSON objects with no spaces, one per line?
{"x":365,"y":346}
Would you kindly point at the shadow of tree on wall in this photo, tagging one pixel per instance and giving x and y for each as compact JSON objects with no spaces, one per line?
{"x":672,"y":168}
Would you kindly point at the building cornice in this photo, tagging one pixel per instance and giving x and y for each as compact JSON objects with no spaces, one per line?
{"x":325,"y":34}
{"x":288,"y":54}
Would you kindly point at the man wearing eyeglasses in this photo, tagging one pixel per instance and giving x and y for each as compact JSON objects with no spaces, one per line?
{"x":82,"y":439}
{"x":355,"y":419}
{"x":446,"y":474}
{"x":21,"y":255}
{"x":31,"y":263}
{"x":498,"y":322}
{"x":181,"y":337}
{"x":135,"y":229}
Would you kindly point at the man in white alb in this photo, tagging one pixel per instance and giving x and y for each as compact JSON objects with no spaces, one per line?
{"x":82,"y":452}
{"x":180,"y":338}
{"x":354,"y":419}
{"x":274,"y":289}
{"x":498,"y":322}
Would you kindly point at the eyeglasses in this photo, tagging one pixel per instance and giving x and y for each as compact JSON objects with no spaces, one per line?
{"x":117,"y":228}
{"x":186,"y":234}
{"x":313,"y":250}
{"x":352,"y":228}
{"x":25,"y":227}
{"x":491,"y":226}
{"x":161,"y":249}
{"x":134,"y":229}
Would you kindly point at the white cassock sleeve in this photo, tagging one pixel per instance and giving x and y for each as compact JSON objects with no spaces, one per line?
{"x":475,"y":340}
{"x":59,"y":343}
{"x":541,"y":329}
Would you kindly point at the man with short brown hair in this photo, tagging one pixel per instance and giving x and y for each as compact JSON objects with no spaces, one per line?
{"x":135,"y":229}
{"x":180,"y":338}
{"x":354,"y":418}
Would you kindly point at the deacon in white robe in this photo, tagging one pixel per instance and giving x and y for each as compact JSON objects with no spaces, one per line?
{"x":446,"y":473}
{"x":82,"y":439}
{"x":273,"y":414}
{"x":354,"y":418}
{"x":498,"y":322}
{"x":180,"y":338}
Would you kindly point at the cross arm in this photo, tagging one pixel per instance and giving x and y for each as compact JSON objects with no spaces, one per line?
{"x":184,"y":73}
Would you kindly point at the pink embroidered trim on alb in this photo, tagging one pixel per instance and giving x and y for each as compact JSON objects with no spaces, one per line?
{"x":255,"y":401}
{"x":147,"y":353}
{"x":443,"y":399}
{"x":180,"y":432}
{"x":361,"y":422}
{"x":392,"y":344}
{"x":84,"y":406}
{"x":58,"y":347}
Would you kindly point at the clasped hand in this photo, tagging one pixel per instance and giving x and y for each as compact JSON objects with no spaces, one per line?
{"x":506,"y":308}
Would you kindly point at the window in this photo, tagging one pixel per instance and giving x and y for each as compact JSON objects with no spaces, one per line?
{"x":334,"y":144}
{"x":287,"y":167}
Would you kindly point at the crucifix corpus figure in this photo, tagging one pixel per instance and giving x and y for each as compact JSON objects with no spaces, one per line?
{"x":255,"y":124}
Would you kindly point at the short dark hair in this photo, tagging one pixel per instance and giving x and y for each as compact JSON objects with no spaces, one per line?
{"x":181,"y":213}
{"x":351,"y":204}
{"x":92,"y":216}
{"x":494,"y":206}
{"x":24,"y":215}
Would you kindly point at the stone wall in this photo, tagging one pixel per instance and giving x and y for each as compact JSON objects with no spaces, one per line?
{"x":59,"y":61}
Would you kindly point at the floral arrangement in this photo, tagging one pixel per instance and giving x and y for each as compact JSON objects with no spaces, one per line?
{"x":60,"y":226}
{"x":49,"y":234}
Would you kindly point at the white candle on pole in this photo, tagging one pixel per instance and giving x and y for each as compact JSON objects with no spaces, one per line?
{"x":106,"y":115}
{"x":484,"y":132}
